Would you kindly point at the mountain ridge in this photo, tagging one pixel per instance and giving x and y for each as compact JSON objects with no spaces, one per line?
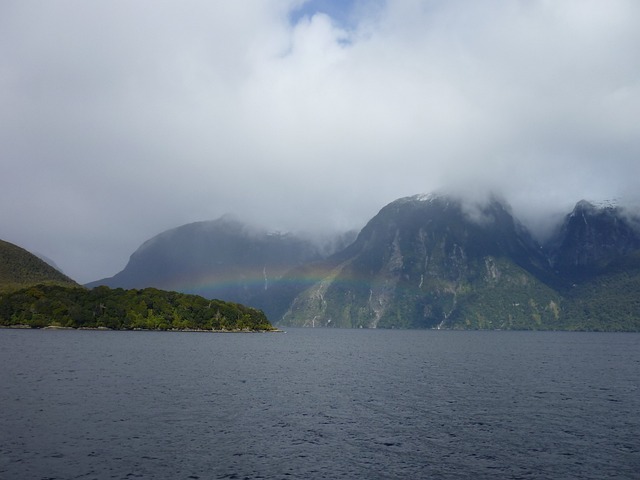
{"x":424,"y":261}
{"x":481,"y":268}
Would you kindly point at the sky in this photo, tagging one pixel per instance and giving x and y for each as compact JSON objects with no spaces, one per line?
{"x":119,"y":119}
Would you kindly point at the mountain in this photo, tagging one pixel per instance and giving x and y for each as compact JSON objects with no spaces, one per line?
{"x":591,"y":238}
{"x":426,"y":261}
{"x":20,"y":268}
{"x":35,"y":294}
{"x":433,"y":262}
{"x":596,"y":254}
{"x":223,"y":259}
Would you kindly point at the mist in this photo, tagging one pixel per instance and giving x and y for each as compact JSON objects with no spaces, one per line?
{"x":120,"y":120}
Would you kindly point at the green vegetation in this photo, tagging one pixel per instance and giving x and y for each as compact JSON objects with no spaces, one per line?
{"x":148,"y":309}
{"x":608,"y":301}
{"x":20,"y":269}
{"x":34,"y":294}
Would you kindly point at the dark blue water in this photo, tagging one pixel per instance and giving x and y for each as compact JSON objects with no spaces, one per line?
{"x":319,"y":404}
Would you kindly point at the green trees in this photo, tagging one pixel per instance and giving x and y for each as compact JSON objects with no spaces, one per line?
{"x":148,"y":309}
{"x":20,"y":269}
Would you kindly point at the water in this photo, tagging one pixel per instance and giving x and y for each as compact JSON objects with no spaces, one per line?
{"x":319,"y":404}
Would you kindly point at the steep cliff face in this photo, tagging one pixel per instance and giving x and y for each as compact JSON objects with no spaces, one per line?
{"x":596,"y":255}
{"x":431,"y":261}
{"x":590,"y":238}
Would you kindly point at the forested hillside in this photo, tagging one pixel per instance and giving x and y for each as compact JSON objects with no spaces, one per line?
{"x":19,"y":268}
{"x":148,"y":309}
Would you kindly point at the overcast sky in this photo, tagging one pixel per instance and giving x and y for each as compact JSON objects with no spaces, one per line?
{"x":121,"y":119}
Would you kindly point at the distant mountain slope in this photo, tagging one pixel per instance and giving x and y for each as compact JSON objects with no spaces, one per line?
{"x":427,"y":262}
{"x":596,"y":254}
{"x":590,"y":238}
{"x":20,"y":268}
{"x":223,"y":259}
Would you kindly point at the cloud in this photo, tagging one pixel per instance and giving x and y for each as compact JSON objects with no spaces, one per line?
{"x":121,"y":119}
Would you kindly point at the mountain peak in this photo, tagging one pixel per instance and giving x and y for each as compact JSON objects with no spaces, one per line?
{"x":591,"y":236}
{"x":413,"y":263}
{"x":592,"y":207}
{"x":426,"y":197}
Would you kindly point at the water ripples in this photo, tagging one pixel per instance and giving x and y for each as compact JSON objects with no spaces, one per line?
{"x":319,"y":404}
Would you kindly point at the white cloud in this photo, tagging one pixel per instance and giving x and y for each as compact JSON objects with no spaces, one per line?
{"x":122,"y":119}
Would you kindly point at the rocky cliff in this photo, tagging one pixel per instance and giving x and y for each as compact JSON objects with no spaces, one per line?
{"x":433,"y":262}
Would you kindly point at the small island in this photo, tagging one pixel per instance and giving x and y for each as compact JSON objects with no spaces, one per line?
{"x":42,"y":306}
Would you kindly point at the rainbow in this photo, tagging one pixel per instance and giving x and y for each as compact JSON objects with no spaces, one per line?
{"x":254,"y":281}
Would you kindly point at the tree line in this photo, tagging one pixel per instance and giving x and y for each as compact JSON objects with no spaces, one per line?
{"x":119,"y":309}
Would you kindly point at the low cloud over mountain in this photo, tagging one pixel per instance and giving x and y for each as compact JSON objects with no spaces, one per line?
{"x":120,"y":119}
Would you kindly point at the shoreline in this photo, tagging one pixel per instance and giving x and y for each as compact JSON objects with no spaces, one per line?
{"x":106,"y":329}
